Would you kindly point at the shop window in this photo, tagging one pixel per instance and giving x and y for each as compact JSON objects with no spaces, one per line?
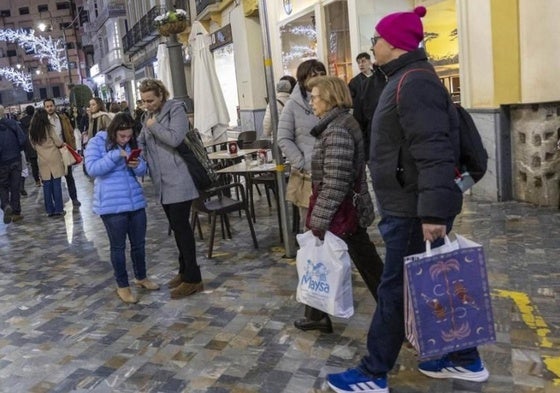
{"x":299,"y":42}
{"x":63,"y":5}
{"x":339,"y":56}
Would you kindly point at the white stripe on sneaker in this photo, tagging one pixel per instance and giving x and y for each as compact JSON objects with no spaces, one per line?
{"x":458,"y":373}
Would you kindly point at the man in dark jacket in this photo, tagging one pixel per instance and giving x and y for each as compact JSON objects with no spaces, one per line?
{"x":413,"y":153}
{"x":30,"y":153}
{"x":365,"y":88}
{"x":12,"y":142}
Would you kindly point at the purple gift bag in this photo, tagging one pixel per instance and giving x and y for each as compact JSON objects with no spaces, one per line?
{"x":447,"y":299}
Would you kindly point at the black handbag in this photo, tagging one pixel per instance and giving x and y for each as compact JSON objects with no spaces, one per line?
{"x":201,"y":168}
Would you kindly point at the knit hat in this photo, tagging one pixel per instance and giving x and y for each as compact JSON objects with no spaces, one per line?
{"x":283,"y":86}
{"x":403,"y":29}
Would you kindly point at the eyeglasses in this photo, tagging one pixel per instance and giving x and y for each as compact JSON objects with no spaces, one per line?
{"x":374,"y":39}
{"x":125,"y":126}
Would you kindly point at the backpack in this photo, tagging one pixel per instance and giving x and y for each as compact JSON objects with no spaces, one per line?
{"x":473,"y":158}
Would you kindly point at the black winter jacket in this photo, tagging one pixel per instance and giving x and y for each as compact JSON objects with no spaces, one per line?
{"x":415,"y":147}
{"x":12,"y":141}
{"x":365,"y":96}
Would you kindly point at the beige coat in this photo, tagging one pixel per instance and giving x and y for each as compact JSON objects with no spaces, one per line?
{"x":101,"y":120}
{"x":49,"y":157}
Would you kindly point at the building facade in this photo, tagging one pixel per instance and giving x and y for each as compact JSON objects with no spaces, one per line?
{"x":110,"y":71}
{"x":498,"y":59}
{"x":49,"y":19}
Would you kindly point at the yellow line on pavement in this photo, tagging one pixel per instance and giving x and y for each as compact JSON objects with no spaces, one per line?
{"x":536,"y":322}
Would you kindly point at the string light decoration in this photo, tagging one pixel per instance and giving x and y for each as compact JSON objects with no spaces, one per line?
{"x":19,"y":78}
{"x":43,"y":47}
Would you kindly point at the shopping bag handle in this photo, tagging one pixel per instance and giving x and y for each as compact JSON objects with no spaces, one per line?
{"x":429,"y":245}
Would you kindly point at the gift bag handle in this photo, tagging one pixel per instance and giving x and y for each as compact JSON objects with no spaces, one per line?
{"x":429,"y":245}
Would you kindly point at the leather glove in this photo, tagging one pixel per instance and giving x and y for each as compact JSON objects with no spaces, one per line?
{"x":319,"y":233}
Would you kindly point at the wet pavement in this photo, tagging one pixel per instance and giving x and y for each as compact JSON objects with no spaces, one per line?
{"x":63,"y":329}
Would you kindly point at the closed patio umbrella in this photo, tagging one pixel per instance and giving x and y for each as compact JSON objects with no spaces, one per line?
{"x":163,"y":71}
{"x":211,"y":116}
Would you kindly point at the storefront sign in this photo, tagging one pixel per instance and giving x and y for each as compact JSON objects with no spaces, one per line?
{"x":221,"y":37}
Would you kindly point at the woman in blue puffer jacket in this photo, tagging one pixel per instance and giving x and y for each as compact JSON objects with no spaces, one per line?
{"x":119,"y":200}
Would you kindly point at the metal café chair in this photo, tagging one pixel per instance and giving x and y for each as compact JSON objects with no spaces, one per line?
{"x":216,"y":202}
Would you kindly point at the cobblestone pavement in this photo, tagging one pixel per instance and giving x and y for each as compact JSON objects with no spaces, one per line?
{"x":63,"y":329}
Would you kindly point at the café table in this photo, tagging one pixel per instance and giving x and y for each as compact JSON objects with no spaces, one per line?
{"x":214,"y":145}
{"x":225,"y":155}
{"x":247,"y":170}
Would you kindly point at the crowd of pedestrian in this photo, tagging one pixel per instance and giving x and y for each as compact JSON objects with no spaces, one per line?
{"x":405,"y":132}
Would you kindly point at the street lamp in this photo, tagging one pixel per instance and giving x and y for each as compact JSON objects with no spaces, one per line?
{"x":43,"y":27}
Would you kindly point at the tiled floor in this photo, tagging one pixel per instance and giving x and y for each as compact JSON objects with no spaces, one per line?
{"x":63,"y":329}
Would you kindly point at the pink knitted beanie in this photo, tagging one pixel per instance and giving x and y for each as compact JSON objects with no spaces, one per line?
{"x":403,"y":29}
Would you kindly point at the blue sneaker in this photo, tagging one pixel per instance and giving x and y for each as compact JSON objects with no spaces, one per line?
{"x":354,"y":380}
{"x":445,"y":368}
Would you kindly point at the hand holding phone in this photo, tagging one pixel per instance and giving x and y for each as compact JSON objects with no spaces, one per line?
{"x":134,"y":154}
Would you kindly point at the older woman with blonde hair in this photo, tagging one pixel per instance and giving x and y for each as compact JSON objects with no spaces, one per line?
{"x":337,"y":172}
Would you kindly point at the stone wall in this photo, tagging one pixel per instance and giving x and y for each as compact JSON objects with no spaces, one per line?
{"x":535,"y":129}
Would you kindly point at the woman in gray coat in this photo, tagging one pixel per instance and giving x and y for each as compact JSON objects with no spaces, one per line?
{"x":295,"y":122}
{"x":165,"y":128}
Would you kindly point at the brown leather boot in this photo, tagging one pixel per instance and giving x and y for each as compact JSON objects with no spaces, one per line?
{"x":175,"y":281}
{"x":147,"y":284}
{"x":126,"y":295}
{"x":186,"y":289}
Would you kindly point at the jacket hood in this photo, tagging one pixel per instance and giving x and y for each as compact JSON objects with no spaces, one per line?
{"x":300,"y":100}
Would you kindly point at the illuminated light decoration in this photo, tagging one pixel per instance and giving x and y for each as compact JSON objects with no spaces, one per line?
{"x":298,"y":52}
{"x":20,"y":78}
{"x":43,"y":47}
{"x":308,"y":31}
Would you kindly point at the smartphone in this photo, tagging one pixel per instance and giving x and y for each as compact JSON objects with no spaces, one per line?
{"x":134,"y":154}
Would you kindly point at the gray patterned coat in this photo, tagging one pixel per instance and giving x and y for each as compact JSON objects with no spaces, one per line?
{"x":169,"y":173}
{"x":338,"y":155}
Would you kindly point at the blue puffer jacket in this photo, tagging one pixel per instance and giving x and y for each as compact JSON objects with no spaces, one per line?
{"x":116,"y":188}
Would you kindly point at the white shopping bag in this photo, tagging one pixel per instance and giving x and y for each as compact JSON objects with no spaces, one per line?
{"x":325,"y":277}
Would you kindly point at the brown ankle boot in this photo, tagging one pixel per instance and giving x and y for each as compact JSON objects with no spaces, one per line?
{"x":175,"y":281}
{"x":126,"y":295}
{"x":186,"y":289}
{"x":147,"y":284}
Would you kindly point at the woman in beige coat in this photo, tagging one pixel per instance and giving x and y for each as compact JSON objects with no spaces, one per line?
{"x":99,"y":119}
{"x":51,"y":167}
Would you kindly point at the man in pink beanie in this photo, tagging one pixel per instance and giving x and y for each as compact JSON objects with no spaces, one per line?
{"x":414,"y":148}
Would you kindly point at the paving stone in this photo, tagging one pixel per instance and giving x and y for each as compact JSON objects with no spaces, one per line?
{"x":63,"y":328}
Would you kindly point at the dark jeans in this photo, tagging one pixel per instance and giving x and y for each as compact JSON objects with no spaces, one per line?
{"x":402,"y":236}
{"x":178,"y":216}
{"x":119,"y":226}
{"x":52,"y":195}
{"x":369,"y":264}
{"x":34,"y":168}
{"x":10,"y":182}
{"x":71,"y":184}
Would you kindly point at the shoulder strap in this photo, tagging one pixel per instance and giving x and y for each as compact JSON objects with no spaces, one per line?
{"x":405,"y":75}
